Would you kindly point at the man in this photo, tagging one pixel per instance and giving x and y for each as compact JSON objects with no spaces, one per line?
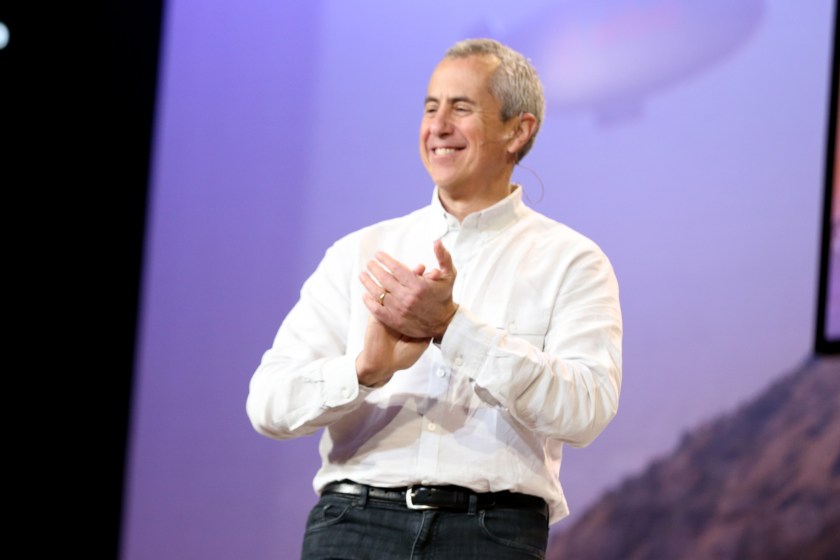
{"x":449,"y":354}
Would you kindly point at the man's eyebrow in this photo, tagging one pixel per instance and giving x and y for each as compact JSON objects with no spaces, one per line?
{"x":452,"y":100}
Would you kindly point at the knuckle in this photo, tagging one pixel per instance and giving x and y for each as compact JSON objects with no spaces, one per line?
{"x":412,"y":299}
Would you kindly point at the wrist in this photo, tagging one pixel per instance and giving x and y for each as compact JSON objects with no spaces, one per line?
{"x":369,"y":377}
{"x":438,"y":337}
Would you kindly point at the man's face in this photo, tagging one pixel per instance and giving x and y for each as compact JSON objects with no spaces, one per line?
{"x":463,"y":142}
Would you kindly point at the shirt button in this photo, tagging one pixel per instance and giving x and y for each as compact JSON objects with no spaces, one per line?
{"x":432,"y":426}
{"x":345,"y":392}
{"x":441,"y":372}
{"x":459,"y":361}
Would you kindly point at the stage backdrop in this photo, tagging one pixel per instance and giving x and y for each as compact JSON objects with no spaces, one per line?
{"x":686,"y":137}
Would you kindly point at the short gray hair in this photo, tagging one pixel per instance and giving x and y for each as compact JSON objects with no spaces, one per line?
{"x":515,"y":83}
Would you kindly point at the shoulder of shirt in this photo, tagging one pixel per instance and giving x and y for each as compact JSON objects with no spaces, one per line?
{"x":555,"y":233}
{"x":376,"y":229}
{"x":346,"y":248}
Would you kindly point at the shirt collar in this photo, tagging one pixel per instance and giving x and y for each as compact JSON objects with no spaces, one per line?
{"x":495,"y":217}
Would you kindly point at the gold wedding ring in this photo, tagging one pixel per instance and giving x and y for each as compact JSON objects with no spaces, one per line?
{"x":382,"y":298}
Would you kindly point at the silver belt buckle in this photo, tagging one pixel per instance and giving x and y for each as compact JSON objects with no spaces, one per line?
{"x":409,"y":494}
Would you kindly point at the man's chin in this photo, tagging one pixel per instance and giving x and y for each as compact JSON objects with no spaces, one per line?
{"x":444,"y":180}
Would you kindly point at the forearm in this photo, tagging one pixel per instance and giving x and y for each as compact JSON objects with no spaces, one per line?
{"x":564,"y":385}
{"x":307,"y":379}
{"x":288,"y":399}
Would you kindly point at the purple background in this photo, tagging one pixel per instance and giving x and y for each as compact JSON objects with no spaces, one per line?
{"x":686,"y":137}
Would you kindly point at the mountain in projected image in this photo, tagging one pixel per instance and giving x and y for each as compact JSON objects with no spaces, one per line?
{"x":760,"y":483}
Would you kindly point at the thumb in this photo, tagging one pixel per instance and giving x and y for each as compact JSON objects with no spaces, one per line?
{"x":444,"y":259}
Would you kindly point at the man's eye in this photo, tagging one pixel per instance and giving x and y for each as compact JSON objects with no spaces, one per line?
{"x":462,"y":109}
{"x":430,"y":110}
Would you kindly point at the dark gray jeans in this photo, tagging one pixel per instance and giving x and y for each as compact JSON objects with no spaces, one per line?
{"x":350,"y":528}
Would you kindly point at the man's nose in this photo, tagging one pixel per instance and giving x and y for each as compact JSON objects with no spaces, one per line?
{"x":441,"y":123}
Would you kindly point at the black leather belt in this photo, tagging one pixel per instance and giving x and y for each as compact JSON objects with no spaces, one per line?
{"x":453,"y":498}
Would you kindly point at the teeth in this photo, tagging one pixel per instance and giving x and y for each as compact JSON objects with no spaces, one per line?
{"x":443,"y":151}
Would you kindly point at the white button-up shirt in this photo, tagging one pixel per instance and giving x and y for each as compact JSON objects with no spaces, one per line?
{"x":531,"y":360}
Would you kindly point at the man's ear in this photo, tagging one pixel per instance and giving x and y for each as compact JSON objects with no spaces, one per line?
{"x":522,"y":133}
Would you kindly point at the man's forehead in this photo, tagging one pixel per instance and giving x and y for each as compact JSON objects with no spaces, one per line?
{"x":461,"y":78}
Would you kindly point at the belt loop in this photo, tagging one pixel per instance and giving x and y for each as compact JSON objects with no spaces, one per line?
{"x":473,"y":504}
{"x":361,"y":501}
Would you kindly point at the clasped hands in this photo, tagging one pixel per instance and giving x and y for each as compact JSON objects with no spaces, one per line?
{"x":417,"y":307}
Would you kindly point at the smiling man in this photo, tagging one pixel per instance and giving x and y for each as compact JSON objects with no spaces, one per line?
{"x":448,"y":355}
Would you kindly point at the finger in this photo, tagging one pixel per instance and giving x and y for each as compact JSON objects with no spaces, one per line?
{"x":383,"y":277}
{"x":377,"y":310}
{"x":401,"y":272}
{"x":371,"y":303}
{"x":444,"y":259}
{"x":420,"y":269}
{"x":373,"y":289}
{"x":372,"y":297}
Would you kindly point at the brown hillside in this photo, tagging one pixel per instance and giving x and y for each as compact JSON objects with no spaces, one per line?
{"x":761,"y":483}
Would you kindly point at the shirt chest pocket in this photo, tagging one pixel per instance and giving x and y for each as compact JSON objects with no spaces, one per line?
{"x":530,"y":325}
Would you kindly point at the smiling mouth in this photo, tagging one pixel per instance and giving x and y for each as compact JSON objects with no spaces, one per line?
{"x":444,"y":151}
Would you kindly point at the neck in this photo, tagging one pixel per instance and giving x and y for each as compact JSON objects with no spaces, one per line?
{"x":463,"y":202}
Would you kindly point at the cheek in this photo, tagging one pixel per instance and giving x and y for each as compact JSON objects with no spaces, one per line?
{"x":424,"y":135}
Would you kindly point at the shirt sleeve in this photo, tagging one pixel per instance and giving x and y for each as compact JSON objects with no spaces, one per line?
{"x":564,"y":385}
{"x":306,"y":380}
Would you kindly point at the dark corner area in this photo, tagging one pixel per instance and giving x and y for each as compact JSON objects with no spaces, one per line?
{"x":79,"y":94}
{"x":130,"y":49}
{"x":827,"y":337}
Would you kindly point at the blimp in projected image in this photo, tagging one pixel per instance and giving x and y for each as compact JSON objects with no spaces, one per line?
{"x":611,"y":56}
